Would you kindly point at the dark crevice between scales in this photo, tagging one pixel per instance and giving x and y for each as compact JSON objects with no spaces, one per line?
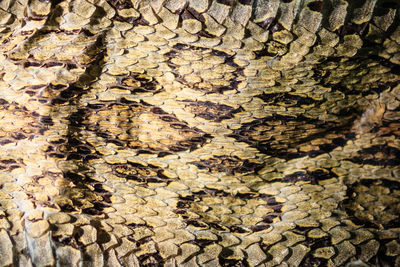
{"x":228,"y":60}
{"x":74,"y":147}
{"x":186,"y":203}
{"x":297,"y":136}
{"x":228,"y":164}
{"x":353,"y":193}
{"x":195,"y":137}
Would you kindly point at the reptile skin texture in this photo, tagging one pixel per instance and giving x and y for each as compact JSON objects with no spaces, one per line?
{"x":200,"y":133}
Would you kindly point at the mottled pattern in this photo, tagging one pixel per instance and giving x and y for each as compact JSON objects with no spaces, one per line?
{"x":199,"y":133}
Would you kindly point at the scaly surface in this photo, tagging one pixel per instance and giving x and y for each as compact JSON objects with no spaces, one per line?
{"x":211,"y":133}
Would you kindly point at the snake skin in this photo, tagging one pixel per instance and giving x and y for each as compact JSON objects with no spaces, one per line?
{"x":199,"y":133}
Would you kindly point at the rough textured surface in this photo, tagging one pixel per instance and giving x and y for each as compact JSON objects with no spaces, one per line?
{"x":212,"y":133}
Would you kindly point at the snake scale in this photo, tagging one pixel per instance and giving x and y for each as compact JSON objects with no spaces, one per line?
{"x":199,"y":133}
